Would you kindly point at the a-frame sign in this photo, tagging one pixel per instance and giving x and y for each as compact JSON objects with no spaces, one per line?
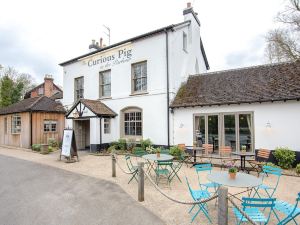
{"x":69,"y":148}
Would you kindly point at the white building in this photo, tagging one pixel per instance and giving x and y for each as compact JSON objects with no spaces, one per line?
{"x":126,"y":88}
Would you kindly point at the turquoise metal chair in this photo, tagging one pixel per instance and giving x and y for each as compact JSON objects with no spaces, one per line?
{"x":139,"y":152}
{"x":133,"y":169}
{"x":162,"y":170}
{"x":289,"y":210}
{"x":207,"y":167}
{"x":199,"y":195}
{"x":255,"y":209}
{"x":165,"y":151}
{"x":268,"y":190}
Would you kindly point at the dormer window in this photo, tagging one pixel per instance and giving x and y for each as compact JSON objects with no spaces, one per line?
{"x":184,"y":41}
{"x":41,"y":91}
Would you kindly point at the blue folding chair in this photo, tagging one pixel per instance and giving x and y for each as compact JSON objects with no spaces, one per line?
{"x":133,"y":169}
{"x":199,"y":195}
{"x":207,"y":167}
{"x":268,"y":190}
{"x":251,"y":207}
{"x":291,"y":211}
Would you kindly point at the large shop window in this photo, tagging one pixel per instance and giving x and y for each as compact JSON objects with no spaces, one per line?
{"x":139,"y":77}
{"x":79,"y":88}
{"x":50,"y":125}
{"x":105,"y":84}
{"x":225,"y":129}
{"x":132,"y":122}
{"x":16,"y":124}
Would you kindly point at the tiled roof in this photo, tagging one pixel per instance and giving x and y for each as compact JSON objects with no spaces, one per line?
{"x":96,"y":106}
{"x":37,"y":104}
{"x":265,"y":83}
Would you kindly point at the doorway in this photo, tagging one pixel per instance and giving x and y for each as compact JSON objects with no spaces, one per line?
{"x":82,"y":133}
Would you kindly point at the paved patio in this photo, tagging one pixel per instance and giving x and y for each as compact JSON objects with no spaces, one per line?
{"x":168,"y":211}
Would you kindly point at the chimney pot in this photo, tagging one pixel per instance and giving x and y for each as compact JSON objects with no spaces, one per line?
{"x":101,"y":42}
{"x":189,"y":5}
{"x":93,"y":42}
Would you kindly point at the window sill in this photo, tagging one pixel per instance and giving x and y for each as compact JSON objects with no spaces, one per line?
{"x":185,"y":51}
{"x":104,"y":98}
{"x":50,"y":132}
{"x":15,"y":133}
{"x":139,"y":93}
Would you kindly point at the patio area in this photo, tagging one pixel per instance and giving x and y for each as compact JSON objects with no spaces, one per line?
{"x":168,"y":211}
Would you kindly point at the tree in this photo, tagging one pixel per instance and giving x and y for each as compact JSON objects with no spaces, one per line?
{"x":13,"y":85}
{"x":283,"y":43}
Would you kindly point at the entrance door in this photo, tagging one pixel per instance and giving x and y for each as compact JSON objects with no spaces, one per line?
{"x":82,"y":133}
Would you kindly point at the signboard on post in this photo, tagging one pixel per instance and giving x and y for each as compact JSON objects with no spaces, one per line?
{"x":69,"y":148}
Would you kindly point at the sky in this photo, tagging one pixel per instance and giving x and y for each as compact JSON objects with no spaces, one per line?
{"x":35,"y":36}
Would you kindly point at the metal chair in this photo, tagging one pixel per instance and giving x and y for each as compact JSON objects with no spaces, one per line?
{"x":269,"y":190}
{"x":185,"y":154}
{"x":252,"y":206}
{"x":200,"y":168}
{"x":291,"y":211}
{"x":133,"y":169}
{"x":199,"y":195}
{"x":162,"y":170}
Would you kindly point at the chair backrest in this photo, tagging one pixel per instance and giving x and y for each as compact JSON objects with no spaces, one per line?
{"x":273,"y":171}
{"x":137,"y":151}
{"x":190,"y":189}
{"x":165,"y":151}
{"x":263,"y":154}
{"x":208,"y":148}
{"x":225,"y":151}
{"x":129,"y":163}
{"x":202,"y":168}
{"x":259,"y":203}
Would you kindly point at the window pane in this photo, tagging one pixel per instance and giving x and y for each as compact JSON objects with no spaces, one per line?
{"x":245,"y":129}
{"x":200,"y":130}
{"x":229,"y":131}
{"x":140,"y":76}
{"x":213,"y":132}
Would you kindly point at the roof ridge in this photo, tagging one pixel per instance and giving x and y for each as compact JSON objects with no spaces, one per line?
{"x":35,"y":102}
{"x":243,"y":68}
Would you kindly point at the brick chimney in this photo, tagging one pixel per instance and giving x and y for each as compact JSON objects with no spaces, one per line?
{"x":48,"y":85}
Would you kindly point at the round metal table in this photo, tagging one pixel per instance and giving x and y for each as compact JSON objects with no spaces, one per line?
{"x":153,"y":157}
{"x":242,"y":180}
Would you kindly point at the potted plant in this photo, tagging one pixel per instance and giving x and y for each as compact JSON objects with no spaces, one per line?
{"x":158,"y":152}
{"x":232,"y":170}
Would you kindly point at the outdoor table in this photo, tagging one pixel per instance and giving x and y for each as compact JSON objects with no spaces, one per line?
{"x":152,"y":158}
{"x":243,"y":156}
{"x":242,"y":180}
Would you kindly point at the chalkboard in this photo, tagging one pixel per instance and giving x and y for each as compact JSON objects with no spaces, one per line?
{"x":69,"y":148}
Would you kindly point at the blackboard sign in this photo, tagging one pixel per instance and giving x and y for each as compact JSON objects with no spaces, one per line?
{"x":69,"y":148}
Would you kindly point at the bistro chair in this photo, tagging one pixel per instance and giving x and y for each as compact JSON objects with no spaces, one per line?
{"x":165,"y":151}
{"x":289,"y":210}
{"x":255,"y":209}
{"x":187,"y":156}
{"x":261,"y":158}
{"x":208,"y":151}
{"x":200,"y":169}
{"x":198,"y":195}
{"x":225,"y":156}
{"x":162,"y":170}
{"x":139,"y":152}
{"x":268,"y":190}
{"x":133,"y":169}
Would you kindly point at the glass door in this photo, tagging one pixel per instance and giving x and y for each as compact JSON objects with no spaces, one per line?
{"x":245,"y":132}
{"x":213,"y":132}
{"x":230,"y":131}
{"x":200,"y":130}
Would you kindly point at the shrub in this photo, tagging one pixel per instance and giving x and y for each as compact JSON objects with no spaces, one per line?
{"x":50,"y":149}
{"x":285,"y":157}
{"x":111,"y":149}
{"x":298,"y":168}
{"x":146,"y":143}
{"x":52,"y":142}
{"x":130,"y":144}
{"x":271,"y":164}
{"x":150,"y":150}
{"x":36,"y":147}
{"x":175,"y":151}
{"x":122,"y":144}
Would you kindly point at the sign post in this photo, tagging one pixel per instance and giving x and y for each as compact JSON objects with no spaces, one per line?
{"x":69,"y":148}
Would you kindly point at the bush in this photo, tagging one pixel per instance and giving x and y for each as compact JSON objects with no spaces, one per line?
{"x":175,"y":151}
{"x":298,"y":168}
{"x":50,"y":149}
{"x":285,"y":157}
{"x":146,"y":143}
{"x":36,"y":147}
{"x":111,"y":149}
{"x":130,"y":144}
{"x":271,"y":164}
{"x":52,"y":142}
{"x":122,"y":144}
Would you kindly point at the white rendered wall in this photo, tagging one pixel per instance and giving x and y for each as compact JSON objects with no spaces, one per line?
{"x":283,"y":117}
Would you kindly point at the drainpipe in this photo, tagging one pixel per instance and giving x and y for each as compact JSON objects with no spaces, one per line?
{"x":168,"y":94}
{"x":100,"y":132}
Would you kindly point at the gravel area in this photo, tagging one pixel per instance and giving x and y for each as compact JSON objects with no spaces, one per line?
{"x":170,"y":212}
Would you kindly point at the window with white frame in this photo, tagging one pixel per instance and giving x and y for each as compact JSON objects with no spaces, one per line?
{"x":132,"y":122}
{"x":79,"y":88}
{"x":106,"y":125}
{"x":16,"y":124}
{"x":184,"y":41}
{"x":105,"y":84}
{"x":50,"y":125}
{"x":139,"y":77}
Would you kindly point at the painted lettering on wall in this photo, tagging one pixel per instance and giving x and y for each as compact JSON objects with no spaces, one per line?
{"x":108,"y":60}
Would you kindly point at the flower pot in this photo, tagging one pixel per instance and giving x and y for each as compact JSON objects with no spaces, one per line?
{"x":158,"y":154}
{"x":232,"y":175}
